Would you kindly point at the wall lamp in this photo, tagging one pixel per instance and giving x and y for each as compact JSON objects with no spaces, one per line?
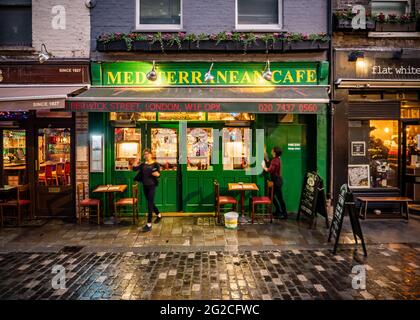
{"x":44,"y":55}
{"x":267,"y":74}
{"x":355,"y":55}
{"x":208,"y":76}
{"x":152,"y":75}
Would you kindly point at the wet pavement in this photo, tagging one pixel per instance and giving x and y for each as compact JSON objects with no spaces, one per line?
{"x":192,"y":258}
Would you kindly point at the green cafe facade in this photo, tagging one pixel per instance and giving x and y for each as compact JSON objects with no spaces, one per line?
{"x":202,"y":131}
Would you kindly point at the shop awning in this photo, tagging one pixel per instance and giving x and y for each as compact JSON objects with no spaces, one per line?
{"x":297,"y":99}
{"x":36,"y":97}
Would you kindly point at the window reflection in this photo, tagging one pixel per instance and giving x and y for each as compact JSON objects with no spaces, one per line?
{"x":127,"y":147}
{"x":236,"y":148}
{"x":199,"y":148}
{"x":165,"y":147}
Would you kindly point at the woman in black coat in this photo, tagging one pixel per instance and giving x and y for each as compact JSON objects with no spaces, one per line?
{"x":148,"y":174}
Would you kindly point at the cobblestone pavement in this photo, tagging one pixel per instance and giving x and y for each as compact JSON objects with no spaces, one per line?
{"x":392,"y":273}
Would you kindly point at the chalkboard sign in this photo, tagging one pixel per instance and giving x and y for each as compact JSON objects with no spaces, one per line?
{"x":312,"y":198}
{"x":345,"y":202}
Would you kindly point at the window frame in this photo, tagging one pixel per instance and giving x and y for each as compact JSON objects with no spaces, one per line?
{"x":20,"y":5}
{"x":158,"y":27}
{"x":407,"y":2}
{"x":261,"y":27}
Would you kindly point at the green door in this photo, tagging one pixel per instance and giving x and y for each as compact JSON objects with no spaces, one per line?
{"x":163,"y":140}
{"x":292,"y":139}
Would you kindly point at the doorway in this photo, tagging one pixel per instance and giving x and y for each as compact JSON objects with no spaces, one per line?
{"x":411,"y":160}
{"x":54,"y":171}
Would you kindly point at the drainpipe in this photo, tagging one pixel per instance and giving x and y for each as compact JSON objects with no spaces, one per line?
{"x":330,"y":194}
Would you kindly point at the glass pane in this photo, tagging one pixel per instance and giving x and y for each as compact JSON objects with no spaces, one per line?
{"x":160,"y":12}
{"x":14,"y":157}
{"x":236,"y":148}
{"x":127,"y":147}
{"x":177,"y":116}
{"x":54,"y":152}
{"x":413,"y":146}
{"x":389,"y":7}
{"x":230,"y":116}
{"x":373,"y":153}
{"x":15,"y":26}
{"x":199,"y":148}
{"x":258,"y":11}
{"x":165,"y":147}
{"x":133,"y":116}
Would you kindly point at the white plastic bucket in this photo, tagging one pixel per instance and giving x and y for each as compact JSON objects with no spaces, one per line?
{"x":231,"y":220}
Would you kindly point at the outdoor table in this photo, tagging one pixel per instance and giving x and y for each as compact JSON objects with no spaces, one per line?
{"x":242,"y":187}
{"x":109,"y":190}
{"x":5,"y":190}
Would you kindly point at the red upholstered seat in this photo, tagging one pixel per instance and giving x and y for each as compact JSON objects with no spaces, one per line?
{"x":90,"y":202}
{"x":126,"y":202}
{"x":226,"y":199}
{"x":15,"y":203}
{"x":261,"y":200}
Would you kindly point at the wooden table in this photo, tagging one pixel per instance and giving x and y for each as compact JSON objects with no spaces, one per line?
{"x":110,"y":189}
{"x":242,"y":187}
{"x":5,"y":190}
{"x":401,"y":200}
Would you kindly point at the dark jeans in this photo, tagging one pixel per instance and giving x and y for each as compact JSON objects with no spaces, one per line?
{"x":278,"y":197}
{"x":149,"y":193}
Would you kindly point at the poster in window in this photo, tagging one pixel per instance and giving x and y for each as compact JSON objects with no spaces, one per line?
{"x":358,"y":149}
{"x":359,"y":176}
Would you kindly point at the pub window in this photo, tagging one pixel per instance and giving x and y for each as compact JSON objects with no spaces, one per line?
{"x":387,"y":7}
{"x":258,"y":14}
{"x":216,"y":116}
{"x":179,"y":116}
{"x":16,"y":23}
{"x":236,"y":148}
{"x":373,"y":154}
{"x":133,"y":116}
{"x":158,"y":15}
{"x":127,"y":148}
{"x":199,"y":148}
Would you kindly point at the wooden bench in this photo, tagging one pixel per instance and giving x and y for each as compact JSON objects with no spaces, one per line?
{"x":403,"y":201}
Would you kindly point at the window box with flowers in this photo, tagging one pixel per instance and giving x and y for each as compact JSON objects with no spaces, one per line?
{"x":301,"y":42}
{"x":223,"y":41}
{"x":395,"y":23}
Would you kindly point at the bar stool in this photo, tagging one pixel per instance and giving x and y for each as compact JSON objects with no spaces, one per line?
{"x":222,"y":200}
{"x":46,"y":176}
{"x":129,"y":202}
{"x":60,"y":176}
{"x":19,"y":204}
{"x":266,"y":201}
{"x":84,"y":203}
{"x":67,"y":171}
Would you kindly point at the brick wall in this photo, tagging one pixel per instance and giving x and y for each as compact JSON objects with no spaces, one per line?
{"x":82,"y":149}
{"x":306,"y":16}
{"x":74,"y":41}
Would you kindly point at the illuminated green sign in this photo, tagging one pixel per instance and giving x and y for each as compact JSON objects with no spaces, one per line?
{"x":225,"y":74}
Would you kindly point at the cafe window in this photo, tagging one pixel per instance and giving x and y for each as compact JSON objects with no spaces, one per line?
{"x":127,"y":148}
{"x":373,"y":154}
{"x":16,"y":23}
{"x":158,"y":15}
{"x":387,"y":7}
{"x":236,"y":148}
{"x":165,"y":147}
{"x":133,"y":116}
{"x":180,"y":116}
{"x":258,"y":14}
{"x":410,"y":110}
{"x":199,"y":148}
{"x":230,"y":116}
{"x":14,"y":156}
